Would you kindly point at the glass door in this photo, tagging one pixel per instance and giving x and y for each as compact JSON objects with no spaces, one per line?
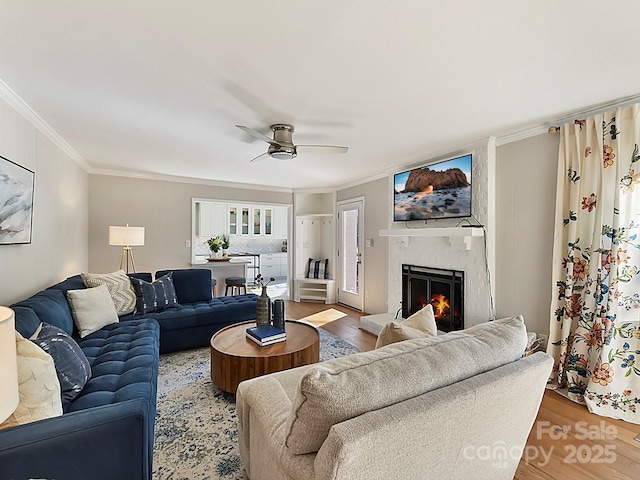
{"x":268,"y":219}
{"x":244,"y":216}
{"x":257,"y":220}
{"x":350,"y":267}
{"x":233,"y":220}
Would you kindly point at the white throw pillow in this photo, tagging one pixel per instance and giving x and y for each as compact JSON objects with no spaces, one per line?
{"x":92,"y":309}
{"x":38,"y":385}
{"x":120,"y":289}
{"x":420,"y":324}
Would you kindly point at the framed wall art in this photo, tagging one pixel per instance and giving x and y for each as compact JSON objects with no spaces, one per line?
{"x":16,"y":202}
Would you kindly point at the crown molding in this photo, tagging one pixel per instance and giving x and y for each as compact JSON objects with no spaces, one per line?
{"x":522,"y":134}
{"x":191,"y":180}
{"x":315,"y":190}
{"x":18,"y":104}
{"x":372,"y":178}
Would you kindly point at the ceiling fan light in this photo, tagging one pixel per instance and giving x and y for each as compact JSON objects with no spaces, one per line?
{"x":282,"y":152}
{"x":282,"y":156}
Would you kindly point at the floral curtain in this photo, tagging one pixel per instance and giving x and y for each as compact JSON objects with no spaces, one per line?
{"x":595,"y":331}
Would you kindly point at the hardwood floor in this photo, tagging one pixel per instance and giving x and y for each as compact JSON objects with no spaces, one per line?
{"x":342,"y":321}
{"x":566,"y":441}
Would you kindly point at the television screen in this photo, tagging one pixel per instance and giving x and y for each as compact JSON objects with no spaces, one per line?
{"x":439,"y":190}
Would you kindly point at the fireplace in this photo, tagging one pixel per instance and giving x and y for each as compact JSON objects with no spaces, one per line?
{"x":443,"y":289}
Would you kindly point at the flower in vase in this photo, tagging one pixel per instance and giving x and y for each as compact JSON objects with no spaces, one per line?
{"x":260,"y":281}
{"x":215,"y":243}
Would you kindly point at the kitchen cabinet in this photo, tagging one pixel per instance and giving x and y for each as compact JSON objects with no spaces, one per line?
{"x":280,"y":222}
{"x":216,"y":218}
{"x":262,"y":221}
{"x":212,"y":219}
{"x":274,"y":265}
{"x":238,"y":223}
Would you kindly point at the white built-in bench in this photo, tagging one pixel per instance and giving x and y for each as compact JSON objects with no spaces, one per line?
{"x":318,"y":289}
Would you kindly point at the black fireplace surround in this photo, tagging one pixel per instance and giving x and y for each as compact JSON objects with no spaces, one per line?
{"x":443,"y":289}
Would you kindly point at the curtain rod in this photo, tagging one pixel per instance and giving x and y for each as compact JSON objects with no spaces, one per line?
{"x":555,"y":129}
{"x":621,"y":102}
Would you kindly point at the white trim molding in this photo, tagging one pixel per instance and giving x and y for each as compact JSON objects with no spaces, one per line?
{"x":14,"y":100}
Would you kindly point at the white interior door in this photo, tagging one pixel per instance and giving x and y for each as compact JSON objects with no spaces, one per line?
{"x":350,"y":266}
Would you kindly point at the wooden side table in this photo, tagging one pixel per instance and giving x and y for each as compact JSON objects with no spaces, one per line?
{"x":235,"y":358}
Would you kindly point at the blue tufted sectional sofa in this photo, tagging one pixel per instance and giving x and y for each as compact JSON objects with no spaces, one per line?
{"x":107,"y":431}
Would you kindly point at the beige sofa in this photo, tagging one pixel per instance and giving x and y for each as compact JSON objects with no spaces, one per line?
{"x":456,"y":406}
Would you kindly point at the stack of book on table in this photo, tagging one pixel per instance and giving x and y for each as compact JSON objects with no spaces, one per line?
{"x":266,"y":334}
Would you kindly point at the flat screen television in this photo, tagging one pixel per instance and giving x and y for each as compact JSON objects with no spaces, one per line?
{"x":438,"y":190}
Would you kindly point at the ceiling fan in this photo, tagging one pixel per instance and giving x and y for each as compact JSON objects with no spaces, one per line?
{"x":281,"y":145}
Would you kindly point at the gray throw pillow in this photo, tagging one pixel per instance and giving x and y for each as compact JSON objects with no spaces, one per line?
{"x":156,"y":296}
{"x":119,"y":286}
{"x":71,"y":363}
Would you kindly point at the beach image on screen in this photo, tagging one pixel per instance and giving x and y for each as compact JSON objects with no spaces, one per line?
{"x":440,"y":190}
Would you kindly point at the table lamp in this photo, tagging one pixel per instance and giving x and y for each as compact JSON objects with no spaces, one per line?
{"x":8,"y":364}
{"x":126,"y":237}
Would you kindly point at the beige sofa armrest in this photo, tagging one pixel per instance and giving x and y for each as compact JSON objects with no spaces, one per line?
{"x":260,"y":401}
{"x":263,"y":406}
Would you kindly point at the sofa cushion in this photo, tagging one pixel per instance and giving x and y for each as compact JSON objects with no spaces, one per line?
{"x":75,"y":282}
{"x":119,"y":286}
{"x":92,"y":309}
{"x":192,"y":284}
{"x":340,"y":389}
{"x":420,"y":324}
{"x":51,"y":307}
{"x":27,"y":322}
{"x":155,"y":296}
{"x":38,"y":385}
{"x":124,"y":364}
{"x":146,"y":276}
{"x":191,"y":325}
{"x":71,"y":364}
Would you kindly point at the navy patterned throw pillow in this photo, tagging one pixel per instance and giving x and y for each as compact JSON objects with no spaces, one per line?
{"x":318,"y":268}
{"x":71,"y":363}
{"x":155,"y":296}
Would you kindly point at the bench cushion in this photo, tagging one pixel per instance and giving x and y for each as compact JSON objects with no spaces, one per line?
{"x":342,"y":388}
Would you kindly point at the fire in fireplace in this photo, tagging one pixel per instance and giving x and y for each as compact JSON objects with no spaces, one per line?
{"x":443,"y":289}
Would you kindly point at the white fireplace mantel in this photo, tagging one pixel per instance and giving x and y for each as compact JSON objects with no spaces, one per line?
{"x":458,"y":236}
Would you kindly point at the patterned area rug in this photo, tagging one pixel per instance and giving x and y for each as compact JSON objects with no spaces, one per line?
{"x":196,"y":423}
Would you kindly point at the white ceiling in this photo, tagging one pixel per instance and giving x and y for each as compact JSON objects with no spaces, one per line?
{"x":155,"y":87}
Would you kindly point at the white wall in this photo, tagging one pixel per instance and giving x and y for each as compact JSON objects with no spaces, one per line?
{"x":525,"y":209}
{"x":163,"y":208}
{"x":60,"y":217}
{"x":377,"y":210}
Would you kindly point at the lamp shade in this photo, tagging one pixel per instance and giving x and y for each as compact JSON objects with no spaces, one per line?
{"x":126,"y":236}
{"x":8,"y":364}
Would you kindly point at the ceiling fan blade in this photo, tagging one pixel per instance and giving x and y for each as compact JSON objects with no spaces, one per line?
{"x":257,"y":135}
{"x":321,"y":149}
{"x":259,"y":157}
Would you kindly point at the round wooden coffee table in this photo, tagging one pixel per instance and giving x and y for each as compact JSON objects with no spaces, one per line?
{"x":235,"y":358}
